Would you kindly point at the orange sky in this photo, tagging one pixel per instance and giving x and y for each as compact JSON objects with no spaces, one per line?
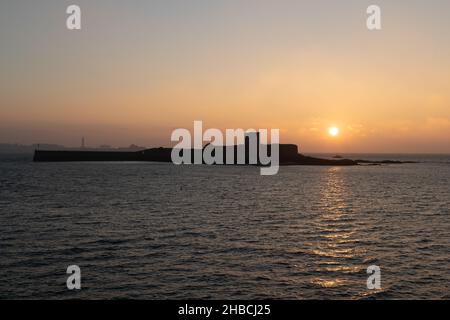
{"x":138,"y":70}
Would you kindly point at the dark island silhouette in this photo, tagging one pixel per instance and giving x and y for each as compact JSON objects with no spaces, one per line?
{"x":288,"y":155}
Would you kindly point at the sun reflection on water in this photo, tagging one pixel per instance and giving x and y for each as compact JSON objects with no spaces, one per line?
{"x":337,"y":234}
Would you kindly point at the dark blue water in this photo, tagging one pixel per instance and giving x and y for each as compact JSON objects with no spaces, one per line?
{"x":147,"y":230}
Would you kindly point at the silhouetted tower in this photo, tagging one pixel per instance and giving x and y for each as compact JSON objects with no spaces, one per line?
{"x":252,"y":147}
{"x":82,"y":143}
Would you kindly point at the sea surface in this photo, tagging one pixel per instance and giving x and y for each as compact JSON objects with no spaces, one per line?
{"x":159,"y":231}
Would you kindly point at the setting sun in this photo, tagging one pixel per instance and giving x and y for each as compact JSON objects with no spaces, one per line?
{"x":333,"y":131}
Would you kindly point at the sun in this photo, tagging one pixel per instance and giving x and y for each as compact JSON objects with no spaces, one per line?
{"x":333,"y":131}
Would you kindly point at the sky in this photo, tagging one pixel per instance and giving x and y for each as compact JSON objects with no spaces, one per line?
{"x":139,"y":69}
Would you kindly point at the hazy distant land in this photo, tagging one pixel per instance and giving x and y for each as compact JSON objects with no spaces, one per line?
{"x":14,"y":148}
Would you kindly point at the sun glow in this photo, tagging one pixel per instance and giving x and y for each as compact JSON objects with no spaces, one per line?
{"x":333,"y":131}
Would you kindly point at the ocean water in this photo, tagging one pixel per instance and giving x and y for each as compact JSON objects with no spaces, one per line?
{"x":158,"y":231}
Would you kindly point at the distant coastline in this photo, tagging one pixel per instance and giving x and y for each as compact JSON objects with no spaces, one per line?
{"x":14,"y":148}
{"x":375,"y":157}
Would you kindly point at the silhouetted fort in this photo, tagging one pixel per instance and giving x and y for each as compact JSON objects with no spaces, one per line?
{"x":288,"y":155}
